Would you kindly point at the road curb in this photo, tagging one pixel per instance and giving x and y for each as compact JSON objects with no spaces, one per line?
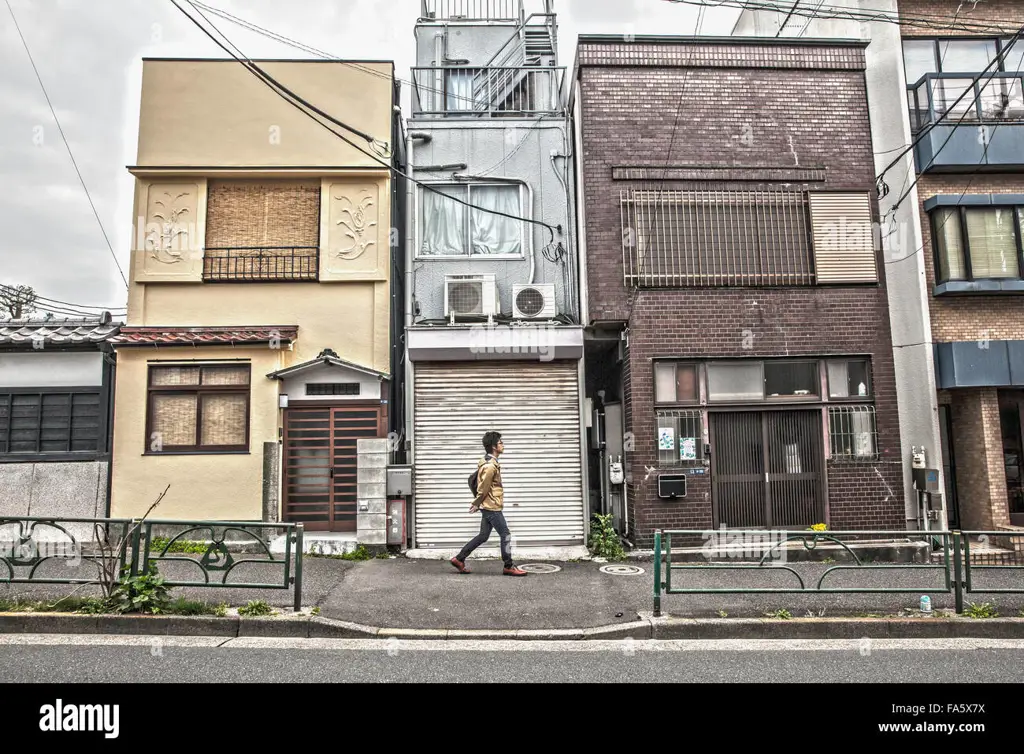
{"x":666,"y":627}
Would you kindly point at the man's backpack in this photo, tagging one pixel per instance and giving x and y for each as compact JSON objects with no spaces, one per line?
{"x":475,"y":477}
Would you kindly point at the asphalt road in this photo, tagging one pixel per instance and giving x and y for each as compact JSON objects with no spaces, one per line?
{"x":118,"y":659}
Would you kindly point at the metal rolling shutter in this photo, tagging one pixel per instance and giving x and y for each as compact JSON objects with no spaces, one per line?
{"x":535,"y":406}
{"x":844,"y":247}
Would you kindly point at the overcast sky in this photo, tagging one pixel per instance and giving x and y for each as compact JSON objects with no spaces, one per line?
{"x":88,"y":53}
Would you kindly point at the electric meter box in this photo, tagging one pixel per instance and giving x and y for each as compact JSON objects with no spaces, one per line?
{"x":399,"y":481}
{"x":926,"y":480}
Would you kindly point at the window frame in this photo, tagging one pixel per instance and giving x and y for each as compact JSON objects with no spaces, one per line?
{"x":525,"y":211}
{"x":869,"y":398}
{"x":698,"y":367}
{"x":961,"y":212}
{"x":199,"y":391}
{"x":1000,"y":42}
{"x":28,"y":456}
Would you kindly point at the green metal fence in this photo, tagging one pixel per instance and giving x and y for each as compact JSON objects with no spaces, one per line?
{"x":768,"y":547}
{"x":211,"y":550}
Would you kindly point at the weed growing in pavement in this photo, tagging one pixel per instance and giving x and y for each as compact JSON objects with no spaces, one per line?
{"x":782,"y":614}
{"x":604,"y":541}
{"x":255,"y":608}
{"x":723,"y":614}
{"x":982,"y":610}
{"x":144,"y":593}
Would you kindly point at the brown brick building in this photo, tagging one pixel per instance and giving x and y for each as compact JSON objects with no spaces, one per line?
{"x":969,"y":156}
{"x":737,"y":315}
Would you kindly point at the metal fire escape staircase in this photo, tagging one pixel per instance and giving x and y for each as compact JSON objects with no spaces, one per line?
{"x":504,"y":85}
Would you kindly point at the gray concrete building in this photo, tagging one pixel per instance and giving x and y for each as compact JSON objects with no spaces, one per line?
{"x":492,"y":328}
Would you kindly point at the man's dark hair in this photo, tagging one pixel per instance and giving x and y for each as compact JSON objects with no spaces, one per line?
{"x":491,"y":441}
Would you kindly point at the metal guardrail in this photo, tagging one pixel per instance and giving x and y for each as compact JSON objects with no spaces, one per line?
{"x":994,"y":98}
{"x":1015,"y":554}
{"x":119,"y":545}
{"x":261,"y":264}
{"x":472,"y":10}
{"x":467,"y":91}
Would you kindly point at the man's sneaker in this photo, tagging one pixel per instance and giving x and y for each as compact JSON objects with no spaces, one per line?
{"x":514,"y":571}
{"x":459,"y":565}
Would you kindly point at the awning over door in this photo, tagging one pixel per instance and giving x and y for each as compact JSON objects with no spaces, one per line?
{"x":535,"y":406}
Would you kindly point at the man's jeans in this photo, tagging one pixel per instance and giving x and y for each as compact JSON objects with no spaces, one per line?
{"x":491,"y":520}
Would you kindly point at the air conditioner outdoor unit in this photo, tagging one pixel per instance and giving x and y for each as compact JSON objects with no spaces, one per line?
{"x":533,"y":301}
{"x":470,"y":296}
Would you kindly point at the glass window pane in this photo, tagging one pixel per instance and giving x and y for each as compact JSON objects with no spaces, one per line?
{"x":173,"y":421}
{"x":993,"y":243}
{"x":686,"y":382}
{"x":838,"y":379}
{"x":1002,"y":99}
{"x":224,"y":418}
{"x":955,"y":96}
{"x":492,"y":233}
{"x":782,"y":378}
{"x":1014,"y":60}
{"x":946,"y":228}
{"x":459,"y":89}
{"x":735,"y":382}
{"x":443,"y":221}
{"x":665,"y":383}
{"x":966,"y":55}
{"x":918,"y":59}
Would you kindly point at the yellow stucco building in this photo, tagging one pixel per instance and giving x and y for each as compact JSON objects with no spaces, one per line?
{"x":258,"y":345}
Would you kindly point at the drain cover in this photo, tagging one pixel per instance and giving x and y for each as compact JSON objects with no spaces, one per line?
{"x":540,"y":568}
{"x":622,"y":570}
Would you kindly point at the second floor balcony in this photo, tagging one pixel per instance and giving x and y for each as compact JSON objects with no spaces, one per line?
{"x":968,"y":125}
{"x":472,"y":10}
{"x":468,"y":92}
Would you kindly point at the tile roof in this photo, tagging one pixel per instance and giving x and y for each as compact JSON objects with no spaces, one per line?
{"x":19,"y":332}
{"x":204,"y":336}
{"x":329,"y":358}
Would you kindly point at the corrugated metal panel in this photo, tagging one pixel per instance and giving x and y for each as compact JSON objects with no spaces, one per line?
{"x":535,"y":406}
{"x":844,"y":249}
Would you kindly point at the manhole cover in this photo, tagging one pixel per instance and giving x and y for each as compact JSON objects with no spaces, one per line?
{"x":622,"y":570}
{"x":540,"y":568}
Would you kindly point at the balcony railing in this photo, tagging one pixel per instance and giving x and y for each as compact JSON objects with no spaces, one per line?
{"x":262,"y":264}
{"x":473,"y":10}
{"x":462,"y":91}
{"x":970,"y":123}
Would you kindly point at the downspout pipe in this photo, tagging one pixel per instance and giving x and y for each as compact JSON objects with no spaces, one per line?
{"x":410,"y":246}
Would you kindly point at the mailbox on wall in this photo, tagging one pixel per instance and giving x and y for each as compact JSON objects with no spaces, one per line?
{"x":671,"y":486}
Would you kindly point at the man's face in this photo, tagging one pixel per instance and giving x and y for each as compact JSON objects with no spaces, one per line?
{"x":499,"y":448}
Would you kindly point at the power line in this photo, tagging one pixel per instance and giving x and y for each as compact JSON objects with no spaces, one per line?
{"x":68,"y":146}
{"x":295,"y":101}
{"x":277,"y":37}
{"x":10,"y":288}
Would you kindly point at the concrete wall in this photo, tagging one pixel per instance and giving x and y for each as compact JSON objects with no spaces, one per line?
{"x":518,"y":150}
{"x":216,"y":113}
{"x":901,"y":237}
{"x":41,"y":368}
{"x":70,"y":490}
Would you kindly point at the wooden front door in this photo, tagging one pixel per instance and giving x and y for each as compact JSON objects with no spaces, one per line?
{"x":320,"y":464}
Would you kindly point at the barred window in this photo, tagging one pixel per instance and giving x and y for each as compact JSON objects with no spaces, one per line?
{"x":50,"y":422}
{"x":198,"y":408}
{"x":852,"y":433}
{"x":680,"y":438}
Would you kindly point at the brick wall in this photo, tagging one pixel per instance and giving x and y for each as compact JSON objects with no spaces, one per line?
{"x":969,"y":317}
{"x":1008,"y":14}
{"x":980,"y":476}
{"x":800,"y":112}
{"x":775,"y":322}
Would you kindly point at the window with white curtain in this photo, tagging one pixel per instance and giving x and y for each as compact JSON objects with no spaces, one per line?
{"x":489,"y":226}
{"x":992,"y":250}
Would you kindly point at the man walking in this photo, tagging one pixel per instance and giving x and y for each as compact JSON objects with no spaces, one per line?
{"x":490,"y":499}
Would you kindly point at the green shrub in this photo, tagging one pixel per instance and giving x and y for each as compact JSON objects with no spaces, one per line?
{"x":604,"y":541}
{"x":157,"y":545}
{"x":983,"y":610}
{"x":145,"y":593}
